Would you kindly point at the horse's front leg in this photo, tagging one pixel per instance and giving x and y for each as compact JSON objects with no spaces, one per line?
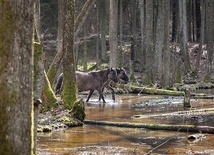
{"x":89,"y":95}
{"x":112,"y":92}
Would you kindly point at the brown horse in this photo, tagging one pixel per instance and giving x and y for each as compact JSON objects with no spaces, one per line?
{"x":121,"y":74}
{"x":90,"y":81}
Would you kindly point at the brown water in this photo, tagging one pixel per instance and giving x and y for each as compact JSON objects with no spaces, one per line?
{"x":99,"y":140}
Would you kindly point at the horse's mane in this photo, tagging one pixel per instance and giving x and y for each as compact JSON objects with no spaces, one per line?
{"x":100,"y":72}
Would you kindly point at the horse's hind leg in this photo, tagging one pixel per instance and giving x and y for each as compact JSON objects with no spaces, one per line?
{"x":112,"y":92}
{"x":89,"y":95}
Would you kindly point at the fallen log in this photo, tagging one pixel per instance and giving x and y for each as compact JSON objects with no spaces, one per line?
{"x":169,"y":127}
{"x":155,"y":91}
{"x":197,"y":112}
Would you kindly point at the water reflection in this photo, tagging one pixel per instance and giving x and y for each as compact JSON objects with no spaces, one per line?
{"x":114,"y":140}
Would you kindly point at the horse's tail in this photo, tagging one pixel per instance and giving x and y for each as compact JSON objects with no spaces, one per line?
{"x":59,"y":84}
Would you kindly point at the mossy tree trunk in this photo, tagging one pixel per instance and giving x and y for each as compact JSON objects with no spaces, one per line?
{"x":80,"y":19}
{"x":38,"y":81}
{"x":69,"y":93}
{"x":16,"y":77}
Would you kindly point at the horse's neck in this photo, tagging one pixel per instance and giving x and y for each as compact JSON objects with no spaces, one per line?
{"x":104,"y":75}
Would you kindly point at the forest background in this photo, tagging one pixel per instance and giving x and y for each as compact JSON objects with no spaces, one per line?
{"x":153,"y":40}
{"x":163,"y":42}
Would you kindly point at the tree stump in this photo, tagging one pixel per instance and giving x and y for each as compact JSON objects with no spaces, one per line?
{"x":186,"y":101}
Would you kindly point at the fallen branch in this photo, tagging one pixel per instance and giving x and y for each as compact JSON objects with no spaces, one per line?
{"x":197,"y":112}
{"x":169,"y":127}
{"x":139,"y":90}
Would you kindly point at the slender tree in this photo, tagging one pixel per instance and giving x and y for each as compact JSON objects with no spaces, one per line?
{"x":210,"y":40}
{"x":113,"y":40}
{"x":102,"y":8}
{"x":184,"y":35}
{"x":16,"y":77}
{"x":149,"y":43}
{"x":200,"y":51}
{"x":142,"y":27}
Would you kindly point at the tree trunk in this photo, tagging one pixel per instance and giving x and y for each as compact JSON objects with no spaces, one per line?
{"x":165,"y":80}
{"x":113,"y":41}
{"x":202,"y":29}
{"x":51,"y":75}
{"x":184,"y":35}
{"x":158,"y":64}
{"x":103,"y":27}
{"x":142,"y":30}
{"x":210,"y":40}
{"x":198,"y":19}
{"x":37,"y":84}
{"x":16,"y":77}
{"x":85,"y":49}
{"x":175,"y":21}
{"x":121,"y":53}
{"x":69,"y":93}
{"x":149,"y":43}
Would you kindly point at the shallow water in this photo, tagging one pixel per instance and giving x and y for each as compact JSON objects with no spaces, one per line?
{"x":92,"y":139}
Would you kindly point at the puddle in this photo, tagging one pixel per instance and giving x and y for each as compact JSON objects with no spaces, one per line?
{"x":95,"y":140}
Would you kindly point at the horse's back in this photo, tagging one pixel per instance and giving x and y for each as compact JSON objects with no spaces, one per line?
{"x":87,"y":81}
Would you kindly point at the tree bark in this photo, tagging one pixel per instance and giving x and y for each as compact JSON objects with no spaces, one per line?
{"x":184,"y":35}
{"x":142,"y":30}
{"x":209,"y":35}
{"x":16,"y":77}
{"x":165,"y":80}
{"x":202,"y":26}
{"x":69,"y":93}
{"x":37,"y":84}
{"x":149,"y":43}
{"x":113,"y":40}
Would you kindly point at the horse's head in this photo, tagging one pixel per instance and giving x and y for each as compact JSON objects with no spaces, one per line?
{"x":121,"y":73}
{"x":112,"y":75}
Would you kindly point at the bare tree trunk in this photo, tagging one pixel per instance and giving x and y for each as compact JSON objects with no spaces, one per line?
{"x":175,"y":21}
{"x":102,"y":5}
{"x":121,"y":53}
{"x":113,"y":41}
{"x":149,"y":43}
{"x":16,"y":77}
{"x":85,"y":57}
{"x":69,"y":81}
{"x":166,"y":46}
{"x":200,"y":51}
{"x":158,"y":64}
{"x":210,"y":40}
{"x":142,"y":23}
{"x":184,"y":35}
{"x":198,"y":19}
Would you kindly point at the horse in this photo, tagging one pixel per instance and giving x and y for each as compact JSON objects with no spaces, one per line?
{"x":121,"y":74}
{"x":90,"y":81}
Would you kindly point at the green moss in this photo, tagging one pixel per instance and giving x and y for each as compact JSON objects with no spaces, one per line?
{"x":207,"y":78}
{"x":69,"y":93}
{"x":51,"y":74}
{"x":49,"y":98}
{"x":78,"y":110}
